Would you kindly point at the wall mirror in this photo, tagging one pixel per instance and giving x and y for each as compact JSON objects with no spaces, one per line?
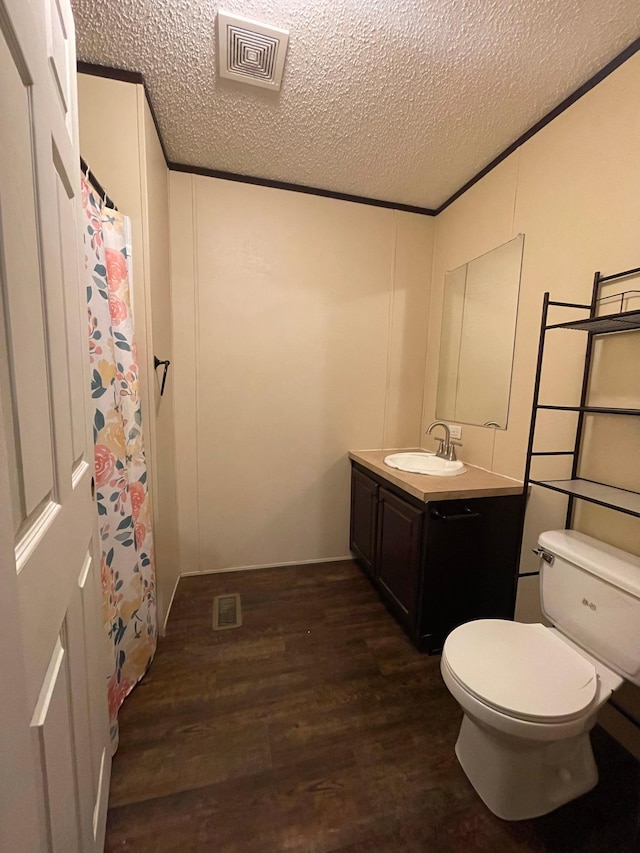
{"x":478,"y":333}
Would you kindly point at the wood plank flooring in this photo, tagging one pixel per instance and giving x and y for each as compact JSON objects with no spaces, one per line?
{"x":317,"y":727}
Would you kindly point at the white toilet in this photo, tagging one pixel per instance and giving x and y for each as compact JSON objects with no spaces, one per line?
{"x":530,"y":694}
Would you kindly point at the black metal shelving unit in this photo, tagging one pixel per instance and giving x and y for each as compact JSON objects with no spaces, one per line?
{"x":576,"y":487}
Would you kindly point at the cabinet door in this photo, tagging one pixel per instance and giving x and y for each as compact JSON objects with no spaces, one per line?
{"x":398,"y":553}
{"x":364,"y":516}
{"x":470,"y":565}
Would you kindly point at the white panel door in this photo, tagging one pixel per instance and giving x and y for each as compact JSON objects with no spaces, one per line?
{"x":54,"y":773}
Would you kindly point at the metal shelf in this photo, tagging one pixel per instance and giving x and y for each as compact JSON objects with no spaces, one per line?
{"x":591,"y":410}
{"x":596,"y":493}
{"x":575,"y":487}
{"x":624,"y":322}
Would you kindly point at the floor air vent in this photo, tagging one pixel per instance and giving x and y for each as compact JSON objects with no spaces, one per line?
{"x":251,"y":52}
{"x":227,"y":612}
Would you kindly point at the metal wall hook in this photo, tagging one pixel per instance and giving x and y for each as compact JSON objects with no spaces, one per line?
{"x":156,"y":364}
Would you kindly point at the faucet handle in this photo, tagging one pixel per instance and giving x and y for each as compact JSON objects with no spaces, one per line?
{"x":451,"y":455}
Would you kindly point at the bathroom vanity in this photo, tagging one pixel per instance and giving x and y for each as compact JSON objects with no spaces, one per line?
{"x":440,"y":551}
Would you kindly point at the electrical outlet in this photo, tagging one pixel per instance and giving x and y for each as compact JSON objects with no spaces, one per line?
{"x":455,"y":430}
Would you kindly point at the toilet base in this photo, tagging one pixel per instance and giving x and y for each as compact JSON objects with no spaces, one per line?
{"x":519,"y":779}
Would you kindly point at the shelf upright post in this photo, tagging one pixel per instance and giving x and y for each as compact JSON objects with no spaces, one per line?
{"x":536,"y":393}
{"x":583,"y":397}
{"x":532,"y":429}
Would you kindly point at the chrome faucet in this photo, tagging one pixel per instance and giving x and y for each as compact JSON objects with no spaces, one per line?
{"x":445,"y":443}
{"x":447,"y":446}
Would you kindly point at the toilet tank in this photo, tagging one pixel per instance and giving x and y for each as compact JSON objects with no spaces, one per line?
{"x":590,"y":591}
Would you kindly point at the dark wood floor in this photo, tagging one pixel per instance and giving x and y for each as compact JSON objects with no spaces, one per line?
{"x":317,"y":727}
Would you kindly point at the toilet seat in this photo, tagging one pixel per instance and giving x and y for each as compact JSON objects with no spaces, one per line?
{"x":522,"y":670}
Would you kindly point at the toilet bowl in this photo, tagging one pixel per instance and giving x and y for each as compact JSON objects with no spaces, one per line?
{"x":530,"y":693}
{"x":525,"y":763}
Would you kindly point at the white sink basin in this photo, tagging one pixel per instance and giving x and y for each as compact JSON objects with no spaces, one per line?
{"x":424,"y":463}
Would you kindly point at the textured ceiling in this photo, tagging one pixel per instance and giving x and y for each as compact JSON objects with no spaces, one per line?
{"x":401,"y":100}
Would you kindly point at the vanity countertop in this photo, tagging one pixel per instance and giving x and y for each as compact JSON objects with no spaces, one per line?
{"x":474,"y":483}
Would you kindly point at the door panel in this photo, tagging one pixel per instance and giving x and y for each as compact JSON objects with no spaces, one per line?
{"x":23,"y":297}
{"x":47,"y":578}
{"x":75,"y":315}
{"x":22,"y":813}
{"x":58,"y":52}
{"x":47,"y":514}
{"x":52,"y":722}
{"x":90,"y":752}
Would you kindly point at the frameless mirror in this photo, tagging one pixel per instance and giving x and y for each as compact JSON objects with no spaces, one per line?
{"x":478,"y":333}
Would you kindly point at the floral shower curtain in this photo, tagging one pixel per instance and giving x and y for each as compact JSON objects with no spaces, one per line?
{"x":122,"y":494}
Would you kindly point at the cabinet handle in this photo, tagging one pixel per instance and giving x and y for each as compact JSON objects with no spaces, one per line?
{"x":458,"y":516}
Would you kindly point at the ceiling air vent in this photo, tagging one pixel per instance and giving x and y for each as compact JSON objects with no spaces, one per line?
{"x":251,"y":52}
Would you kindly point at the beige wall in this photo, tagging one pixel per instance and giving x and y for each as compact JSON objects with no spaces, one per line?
{"x":574,"y":191}
{"x":155,"y":186}
{"x":300,"y":332}
{"x":119,"y":141}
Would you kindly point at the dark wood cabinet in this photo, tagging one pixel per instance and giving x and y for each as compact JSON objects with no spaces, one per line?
{"x":398,"y":553}
{"x":364,"y":519}
{"x":436,"y":564}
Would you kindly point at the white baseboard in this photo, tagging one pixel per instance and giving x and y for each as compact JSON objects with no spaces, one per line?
{"x":102,"y":799}
{"x":163,"y":629}
{"x":265,"y":566}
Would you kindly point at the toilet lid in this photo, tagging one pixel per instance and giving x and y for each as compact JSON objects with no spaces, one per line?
{"x":520,"y":669}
